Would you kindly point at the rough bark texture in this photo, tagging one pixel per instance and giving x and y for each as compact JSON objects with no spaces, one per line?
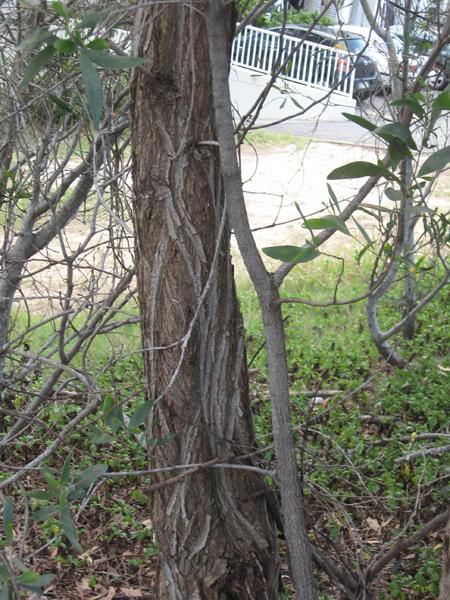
{"x":215,"y":535}
{"x":444,"y":586}
{"x":292,"y":502}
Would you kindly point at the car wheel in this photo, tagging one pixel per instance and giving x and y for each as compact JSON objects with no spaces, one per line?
{"x":441,"y":81}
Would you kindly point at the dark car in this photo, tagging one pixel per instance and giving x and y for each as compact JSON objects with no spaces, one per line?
{"x":354,"y":57}
{"x":441,"y":72}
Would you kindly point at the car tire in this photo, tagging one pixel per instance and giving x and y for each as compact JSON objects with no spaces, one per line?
{"x":441,"y":82}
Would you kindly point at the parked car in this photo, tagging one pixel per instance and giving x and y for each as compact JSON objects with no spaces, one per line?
{"x":377,"y":48}
{"x":439,"y":78}
{"x":420,"y":43}
{"x":367,"y":80}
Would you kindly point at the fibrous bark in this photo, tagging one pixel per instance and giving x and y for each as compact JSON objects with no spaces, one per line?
{"x":215,"y":536}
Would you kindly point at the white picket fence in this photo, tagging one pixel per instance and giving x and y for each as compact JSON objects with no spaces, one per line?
{"x":313,"y":65}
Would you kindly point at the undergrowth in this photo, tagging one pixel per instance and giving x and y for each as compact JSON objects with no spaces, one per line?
{"x":354,"y":417}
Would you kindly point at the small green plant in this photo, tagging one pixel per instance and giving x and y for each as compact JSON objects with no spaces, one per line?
{"x":15,"y":577}
{"x":91,"y":52}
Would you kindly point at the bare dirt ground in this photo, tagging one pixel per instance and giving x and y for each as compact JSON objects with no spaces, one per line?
{"x":275,"y":179}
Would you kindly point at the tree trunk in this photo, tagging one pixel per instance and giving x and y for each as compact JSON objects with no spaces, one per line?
{"x":444,"y":586}
{"x":215,"y":535}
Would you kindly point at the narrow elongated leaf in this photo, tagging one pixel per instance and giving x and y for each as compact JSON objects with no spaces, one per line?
{"x":363,"y":232}
{"x":397,"y":151}
{"x":64,"y":46}
{"x":29,"y":577}
{"x":93,"y":87}
{"x":52,"y":481}
{"x":436,"y":162}
{"x":358,"y":169}
{"x":46,"y":512}
{"x":360,"y":121}
{"x":333,"y":198}
{"x":39,"y":61}
{"x":65,"y":474}
{"x":113,"y":61}
{"x":114,"y":418}
{"x":65,"y":108}
{"x":327,"y":222}
{"x":397,"y":131}
{"x":442,"y":102}
{"x":41,"y":495}
{"x":412,"y":103}
{"x":87,"y":477}
{"x":376,"y":207}
{"x":36,"y":39}
{"x":4,"y":592}
{"x":4,"y":573}
{"x":99,"y":436}
{"x":69,"y":528}
{"x":141,"y":414}
{"x":41,"y":583}
{"x":98,"y":44}
{"x":394,"y":195}
{"x":8,"y":520}
{"x":292,"y":254}
{"x":92,"y":19}
{"x":60,"y":9}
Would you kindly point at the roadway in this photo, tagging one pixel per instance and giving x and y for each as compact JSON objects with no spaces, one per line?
{"x":375,"y":109}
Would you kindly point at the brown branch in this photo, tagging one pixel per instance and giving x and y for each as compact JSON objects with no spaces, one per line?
{"x":378,"y":563}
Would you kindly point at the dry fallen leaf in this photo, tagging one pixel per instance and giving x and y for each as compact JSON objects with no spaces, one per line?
{"x":373,"y":524}
{"x":132,"y":593}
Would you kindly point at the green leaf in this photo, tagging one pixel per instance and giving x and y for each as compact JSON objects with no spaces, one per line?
{"x":99,"y":436}
{"x":442,"y":101}
{"x":4,"y":592}
{"x":36,"y":39}
{"x":376,"y":207}
{"x":292,"y":254}
{"x":114,"y":418}
{"x":363,"y":232}
{"x":327,"y":222}
{"x":42,"y":495}
{"x":42,"y":582}
{"x":360,"y":121}
{"x":69,"y":528}
{"x":28,"y":577}
{"x":65,"y":108}
{"x":394,"y":195}
{"x":98,"y":44}
{"x":113,"y":61}
{"x":363,"y":251}
{"x":397,"y":131}
{"x":333,"y":198}
{"x":87,"y":477}
{"x":8,"y":520}
{"x":141,"y":414}
{"x":46,"y":512}
{"x":93,"y":87}
{"x":35,"y":65}
{"x":4,"y":573}
{"x":435,"y":162}
{"x":64,"y":46}
{"x":92,"y":19}
{"x":397,"y":151}
{"x":52,"y":481}
{"x":65,"y":474}
{"x":358,"y":169}
{"x":412,"y":104}
{"x":60,"y":9}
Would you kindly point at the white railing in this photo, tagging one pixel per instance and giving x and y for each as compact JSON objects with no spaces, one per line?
{"x":311,"y":64}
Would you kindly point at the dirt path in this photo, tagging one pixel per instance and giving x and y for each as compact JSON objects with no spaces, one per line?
{"x":277,"y":178}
